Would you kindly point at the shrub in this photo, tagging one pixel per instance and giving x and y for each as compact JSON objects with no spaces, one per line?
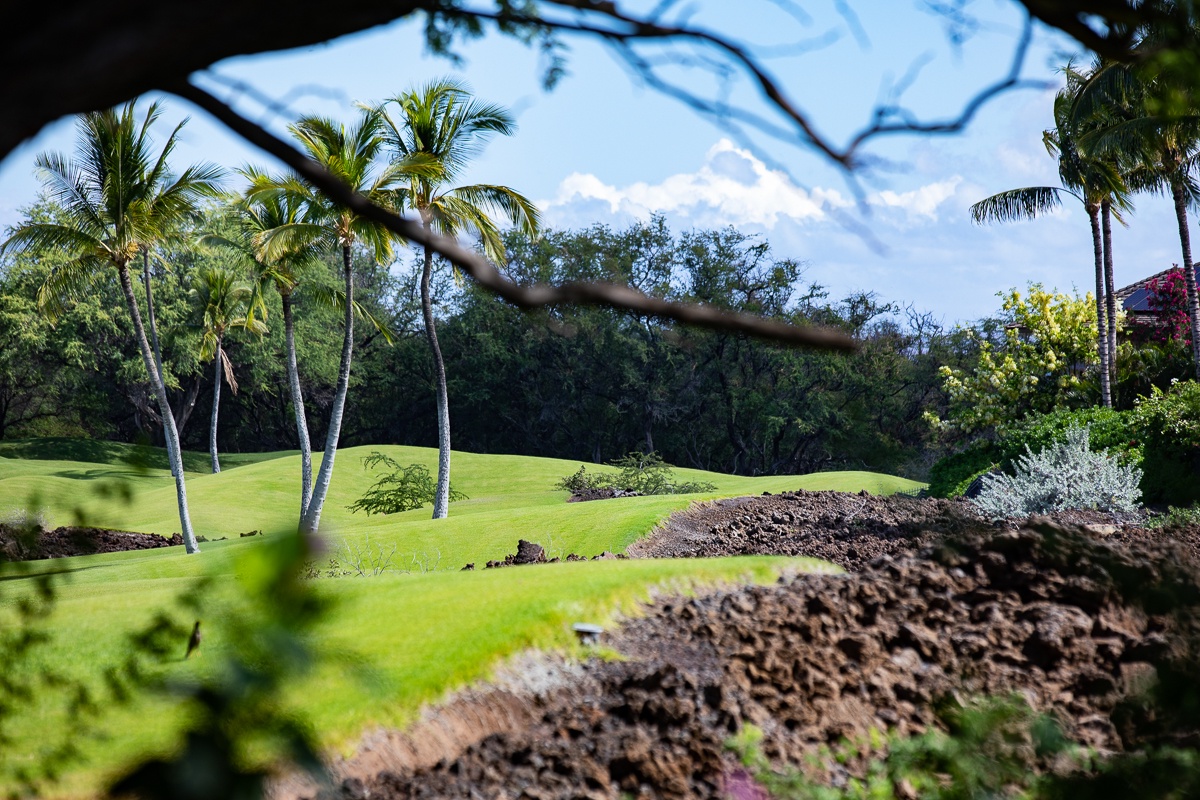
{"x":402,"y":489}
{"x":1112,"y":432}
{"x":1176,"y":518}
{"x":1065,"y":475}
{"x":1169,"y":423}
{"x":644,"y":473}
{"x":951,"y":475}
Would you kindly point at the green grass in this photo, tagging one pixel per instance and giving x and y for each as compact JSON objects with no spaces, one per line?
{"x":418,"y":635}
{"x":511,"y":497}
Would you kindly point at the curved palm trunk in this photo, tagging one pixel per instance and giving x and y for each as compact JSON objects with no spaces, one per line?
{"x":1189,"y":270}
{"x":160,"y":392}
{"x":441,"y":497}
{"x":1110,"y":292}
{"x":297,"y":404}
{"x":1093,"y":210}
{"x":312,"y":517}
{"x":212,"y":427}
{"x":157,"y":350}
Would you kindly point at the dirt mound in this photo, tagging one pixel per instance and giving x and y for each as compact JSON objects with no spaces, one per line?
{"x":18,"y":545}
{"x":847,"y":529}
{"x":815,"y":658}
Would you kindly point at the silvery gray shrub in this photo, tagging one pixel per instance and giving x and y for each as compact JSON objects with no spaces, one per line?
{"x":1065,"y":475}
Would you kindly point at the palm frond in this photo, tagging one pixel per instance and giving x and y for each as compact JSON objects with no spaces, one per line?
{"x":1018,"y":204}
{"x":335,"y":299}
{"x":67,"y":282}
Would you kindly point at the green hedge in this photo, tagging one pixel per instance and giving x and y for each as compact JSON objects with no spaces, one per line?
{"x":1170,"y":426}
{"x":1162,"y":435}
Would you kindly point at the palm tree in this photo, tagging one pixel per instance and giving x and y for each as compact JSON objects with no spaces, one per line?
{"x":1164,"y":149}
{"x":257,"y":214}
{"x":442,"y":121}
{"x":223,"y":301}
{"x":117,"y":198}
{"x":1097,"y":183}
{"x":350,"y":155}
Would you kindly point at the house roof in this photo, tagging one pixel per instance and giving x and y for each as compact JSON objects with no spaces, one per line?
{"x":1135,"y":299}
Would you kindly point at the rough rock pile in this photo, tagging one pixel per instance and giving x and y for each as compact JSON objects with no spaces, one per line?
{"x":75,"y":541}
{"x":815,"y":658}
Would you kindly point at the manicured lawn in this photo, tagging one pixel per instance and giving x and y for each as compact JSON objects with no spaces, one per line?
{"x":511,"y":497}
{"x":412,"y":637}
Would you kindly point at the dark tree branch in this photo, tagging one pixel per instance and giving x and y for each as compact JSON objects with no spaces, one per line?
{"x":486,"y":275}
{"x":106,"y":53}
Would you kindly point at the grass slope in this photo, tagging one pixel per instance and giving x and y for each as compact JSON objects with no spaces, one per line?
{"x":416,"y":636}
{"x":511,"y":497}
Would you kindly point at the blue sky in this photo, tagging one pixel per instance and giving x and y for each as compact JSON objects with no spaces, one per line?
{"x":603,"y":148}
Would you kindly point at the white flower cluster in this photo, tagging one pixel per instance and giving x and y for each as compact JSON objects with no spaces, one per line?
{"x":1066,"y":475}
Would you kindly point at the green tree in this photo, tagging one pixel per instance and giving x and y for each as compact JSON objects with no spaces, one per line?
{"x":1097,"y":183}
{"x":350,"y":154}
{"x":223,"y":302}
{"x":442,"y":122}
{"x":1039,"y":367}
{"x":117,"y":197}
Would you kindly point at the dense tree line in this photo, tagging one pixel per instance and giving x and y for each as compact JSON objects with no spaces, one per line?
{"x":571,"y":382}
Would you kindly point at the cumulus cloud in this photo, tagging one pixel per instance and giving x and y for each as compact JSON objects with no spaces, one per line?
{"x":920,"y":202}
{"x":732,"y":187}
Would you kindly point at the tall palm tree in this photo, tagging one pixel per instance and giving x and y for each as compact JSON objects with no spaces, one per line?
{"x":1098,"y":185}
{"x":257,"y":214}
{"x":1163,"y":148}
{"x":223,"y":301}
{"x":350,"y":155}
{"x":117,"y":197}
{"x":442,"y":121}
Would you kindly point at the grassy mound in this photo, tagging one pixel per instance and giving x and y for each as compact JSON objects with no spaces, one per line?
{"x":511,"y":497}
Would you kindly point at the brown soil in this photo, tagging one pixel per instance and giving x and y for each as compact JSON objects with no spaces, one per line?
{"x":848,"y":529}
{"x":18,"y":545}
{"x":811,"y":658}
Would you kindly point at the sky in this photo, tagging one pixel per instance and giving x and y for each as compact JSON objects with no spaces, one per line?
{"x":603,"y":147}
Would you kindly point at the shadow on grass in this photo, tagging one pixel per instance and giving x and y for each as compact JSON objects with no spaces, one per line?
{"x":96,"y":451}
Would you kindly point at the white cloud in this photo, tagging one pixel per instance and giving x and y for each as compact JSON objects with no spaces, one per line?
{"x":920,"y":202}
{"x":734,"y":187}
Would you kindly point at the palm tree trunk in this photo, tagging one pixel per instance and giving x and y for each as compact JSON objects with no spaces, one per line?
{"x":1189,"y":270}
{"x":154,"y":338}
{"x":312,"y":517}
{"x":441,"y":497}
{"x":1093,"y":210}
{"x":297,"y":404}
{"x":1110,"y":292}
{"x":212,"y":427}
{"x":160,"y":392}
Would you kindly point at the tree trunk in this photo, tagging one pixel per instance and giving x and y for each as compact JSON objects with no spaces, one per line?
{"x":441,"y":497}
{"x":297,"y":404}
{"x":1110,"y":291}
{"x":1093,"y":210}
{"x":157,"y":350}
{"x":1189,"y":270}
{"x":160,"y":391}
{"x":212,"y":426}
{"x":189,"y":403}
{"x":311,"y":520}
